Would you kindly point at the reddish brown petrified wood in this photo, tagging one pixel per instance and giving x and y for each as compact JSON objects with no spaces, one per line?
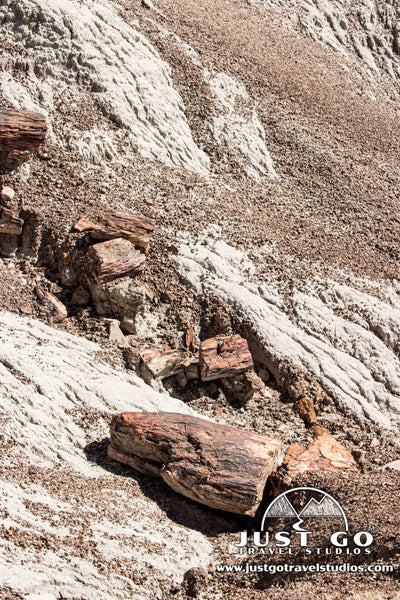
{"x":135,"y":228}
{"x":224,"y":357}
{"x":218,"y":465}
{"x":9,"y":223}
{"x":112,"y":259}
{"x":21,"y":130}
{"x":323,"y":454}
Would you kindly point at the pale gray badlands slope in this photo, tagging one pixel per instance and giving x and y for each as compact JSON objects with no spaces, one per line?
{"x":263,"y":138}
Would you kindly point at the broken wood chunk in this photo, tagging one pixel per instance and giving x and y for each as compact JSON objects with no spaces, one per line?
{"x":217,"y":465}
{"x":112,"y":259}
{"x":21,"y":130}
{"x":192,"y":368}
{"x":163,"y":363}
{"x":134,"y":228}
{"x":56,"y":306}
{"x":9,"y":223}
{"x":241,"y":388}
{"x":306,"y":410}
{"x":189,"y":340}
{"x":224,"y":357}
{"x":323,"y":454}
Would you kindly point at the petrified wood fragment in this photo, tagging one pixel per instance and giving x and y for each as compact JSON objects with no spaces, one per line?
{"x":218,"y":465}
{"x":323,"y":454}
{"x":57,"y":308}
{"x":242,"y":387}
{"x":163,"y":363}
{"x":224,"y":357}
{"x":21,"y":130}
{"x":134,"y":228}
{"x":108,"y":260}
{"x":192,"y":368}
{"x":9,"y":223}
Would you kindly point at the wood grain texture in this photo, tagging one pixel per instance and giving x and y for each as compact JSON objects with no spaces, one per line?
{"x":134,"y":228}
{"x":21,"y":130}
{"x":112,"y":259}
{"x":217,"y":465}
{"x":224,"y":357}
{"x":9,"y":223}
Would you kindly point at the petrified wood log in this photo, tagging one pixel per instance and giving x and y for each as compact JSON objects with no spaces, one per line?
{"x":217,"y":465}
{"x":134,"y":228}
{"x":109,"y":260}
{"x":9,"y":223}
{"x":224,"y":357}
{"x":323,"y":454}
{"x":21,"y":130}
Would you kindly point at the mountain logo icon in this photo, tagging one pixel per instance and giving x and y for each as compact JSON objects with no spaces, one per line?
{"x":310,"y":503}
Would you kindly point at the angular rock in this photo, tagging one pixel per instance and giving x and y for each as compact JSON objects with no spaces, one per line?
{"x":323,"y":454}
{"x":121,"y":298}
{"x":189,"y":340}
{"x":306,"y":410}
{"x":9,"y":223}
{"x":50,"y":301}
{"x":7,"y":194}
{"x":217,"y":465}
{"x":163,"y":363}
{"x":242,"y":387}
{"x":115,"y":334}
{"x":192,"y":368}
{"x":195,"y":580}
{"x":80,"y":297}
{"x":134,"y":228}
{"x":224,"y":356}
{"x":112,"y":259}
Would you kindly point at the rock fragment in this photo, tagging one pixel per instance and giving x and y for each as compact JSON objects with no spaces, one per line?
{"x":21,"y":130}
{"x":224,"y":356}
{"x":134,"y":228}
{"x":112,"y":259}
{"x":115,"y":334}
{"x":80,"y":297}
{"x":323,"y":454}
{"x":195,"y":580}
{"x":50,"y":301}
{"x":7,"y":194}
{"x":9,"y":223}
{"x":306,"y":410}
{"x":163,"y":363}
{"x":242,"y":388}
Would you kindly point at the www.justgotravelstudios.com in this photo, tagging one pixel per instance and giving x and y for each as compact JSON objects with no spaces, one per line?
{"x":314,"y":568}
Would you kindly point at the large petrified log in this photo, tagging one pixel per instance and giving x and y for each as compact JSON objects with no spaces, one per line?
{"x":134,"y":228}
{"x":21,"y":130}
{"x":218,"y":465}
{"x":108,"y":260}
{"x":224,"y":356}
{"x":9,"y":223}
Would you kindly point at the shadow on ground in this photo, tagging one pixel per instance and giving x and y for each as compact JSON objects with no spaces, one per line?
{"x":179,"y":509}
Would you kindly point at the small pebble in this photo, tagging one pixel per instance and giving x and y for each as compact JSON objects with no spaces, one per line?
{"x":7,"y":194}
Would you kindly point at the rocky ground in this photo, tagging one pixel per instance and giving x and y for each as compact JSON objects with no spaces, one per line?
{"x":262,"y":139}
